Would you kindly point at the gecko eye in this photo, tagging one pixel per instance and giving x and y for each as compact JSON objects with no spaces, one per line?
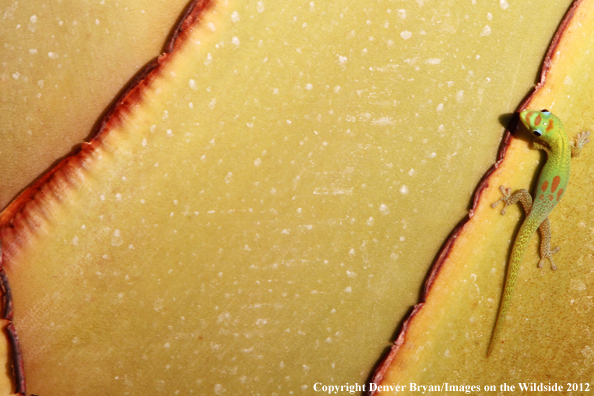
{"x":545,"y":111}
{"x":536,"y":132}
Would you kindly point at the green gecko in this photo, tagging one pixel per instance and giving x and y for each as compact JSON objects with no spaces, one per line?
{"x":549,"y":135}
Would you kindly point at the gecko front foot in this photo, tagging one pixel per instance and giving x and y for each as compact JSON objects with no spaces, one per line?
{"x":582,"y":138}
{"x":580,"y":141}
{"x":548,"y":255}
{"x":506,"y":199}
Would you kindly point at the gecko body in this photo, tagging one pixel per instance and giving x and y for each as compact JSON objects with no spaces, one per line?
{"x":549,"y":135}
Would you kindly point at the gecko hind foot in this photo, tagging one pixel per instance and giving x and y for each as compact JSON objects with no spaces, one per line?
{"x":549,"y":256}
{"x":506,"y":197}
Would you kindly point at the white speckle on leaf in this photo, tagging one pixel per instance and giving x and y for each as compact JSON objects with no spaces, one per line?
{"x":158,"y":304}
{"x":260,"y":6}
{"x":219,"y":389}
{"x":192,"y":84}
{"x":116,"y":238}
{"x":53,"y":55}
{"x":402,"y":14}
{"x":384,"y":209}
{"x":403,"y":189}
{"x":405,"y":34}
{"x":503,"y":4}
{"x":257,"y":162}
{"x":439,"y":107}
{"x":433,"y":61}
{"x":567,"y":80}
{"x":32,"y":23}
{"x":460,"y":95}
{"x":486,"y":31}
{"x":235,"y":41}
{"x":16,"y":75}
{"x":383,"y":121}
{"x":235,"y":16}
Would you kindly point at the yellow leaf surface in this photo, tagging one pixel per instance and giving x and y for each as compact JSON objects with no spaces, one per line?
{"x":264,"y":211}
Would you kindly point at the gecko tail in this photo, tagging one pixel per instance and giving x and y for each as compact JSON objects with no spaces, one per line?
{"x":513,"y":269}
{"x":498,"y":325}
{"x":494,"y":336}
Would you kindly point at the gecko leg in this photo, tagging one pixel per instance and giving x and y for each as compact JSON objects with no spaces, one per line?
{"x":509,"y":199}
{"x":524,"y":197}
{"x":545,"y":244}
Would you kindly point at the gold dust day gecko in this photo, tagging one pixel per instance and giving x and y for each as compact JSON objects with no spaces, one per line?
{"x":549,"y":135}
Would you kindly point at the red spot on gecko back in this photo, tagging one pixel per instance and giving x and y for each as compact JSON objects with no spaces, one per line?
{"x":550,"y":196}
{"x":537,"y":120}
{"x":559,"y":194}
{"x":544,"y":186}
{"x":556,"y":181}
{"x":551,"y":125}
{"x":541,"y":197}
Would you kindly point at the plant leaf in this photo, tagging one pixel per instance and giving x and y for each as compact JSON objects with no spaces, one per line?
{"x":265,"y":205}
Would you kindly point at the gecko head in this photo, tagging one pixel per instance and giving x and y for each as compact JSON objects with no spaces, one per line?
{"x":542,"y":124}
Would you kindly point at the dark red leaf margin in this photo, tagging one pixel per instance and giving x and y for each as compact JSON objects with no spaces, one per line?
{"x":386,"y":361}
{"x":128,"y":98}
